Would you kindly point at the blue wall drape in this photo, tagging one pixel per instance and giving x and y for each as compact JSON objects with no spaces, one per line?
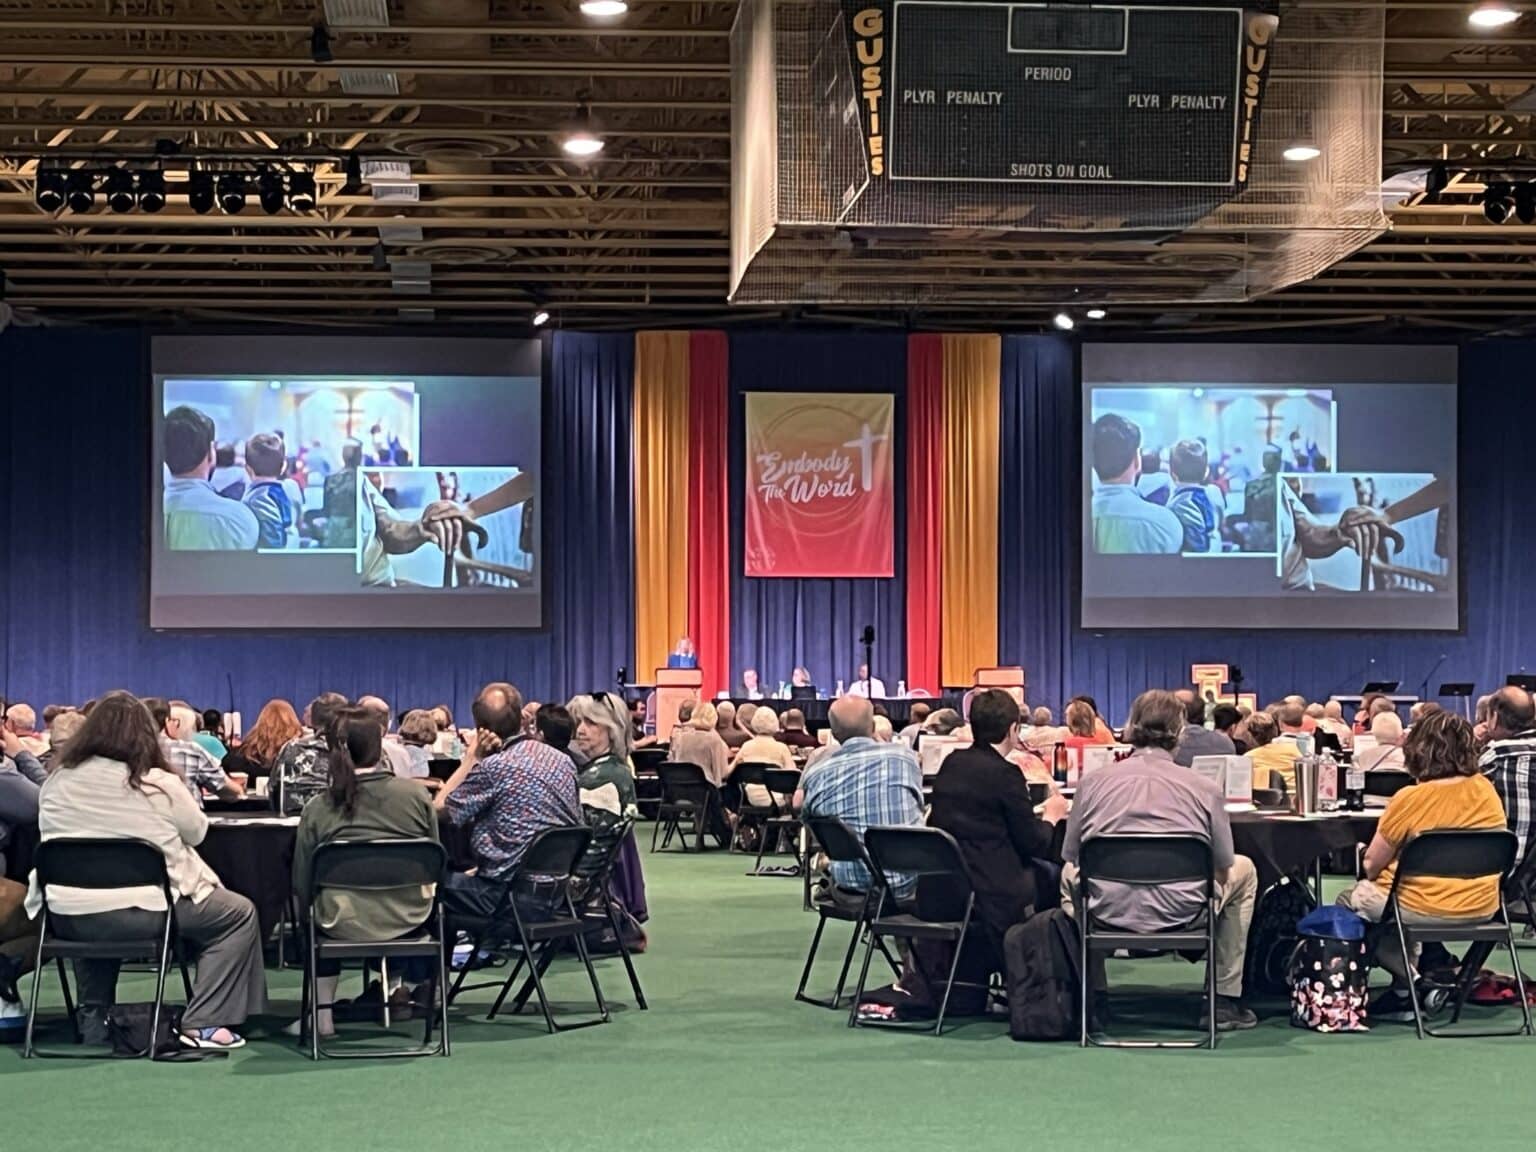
{"x":1041,"y":507}
{"x":73,"y":581}
{"x":777,"y":624}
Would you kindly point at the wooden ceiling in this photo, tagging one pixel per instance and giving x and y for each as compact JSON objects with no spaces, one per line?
{"x":638,"y":236}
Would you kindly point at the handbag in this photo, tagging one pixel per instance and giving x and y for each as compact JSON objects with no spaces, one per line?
{"x":128,"y":1028}
{"x":1329,"y":972}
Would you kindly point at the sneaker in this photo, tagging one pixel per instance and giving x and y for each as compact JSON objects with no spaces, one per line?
{"x":1231,"y":1016}
{"x":1392,"y":1005}
{"x":1433,"y":995}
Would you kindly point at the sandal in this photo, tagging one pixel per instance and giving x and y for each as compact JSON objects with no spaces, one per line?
{"x":210,"y":1038}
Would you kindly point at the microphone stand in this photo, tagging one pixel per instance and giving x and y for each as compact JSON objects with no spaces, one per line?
{"x":1424,"y":687}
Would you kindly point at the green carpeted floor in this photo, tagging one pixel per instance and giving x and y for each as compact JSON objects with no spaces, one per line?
{"x":725,"y":1059}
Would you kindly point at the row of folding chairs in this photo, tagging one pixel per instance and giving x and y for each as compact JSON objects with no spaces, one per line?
{"x":557,"y":857}
{"x":933,"y":857}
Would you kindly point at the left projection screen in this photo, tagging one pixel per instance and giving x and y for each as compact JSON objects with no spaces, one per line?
{"x":345,"y":483}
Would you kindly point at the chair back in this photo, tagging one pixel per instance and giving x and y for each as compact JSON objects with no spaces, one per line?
{"x":442,"y":767}
{"x":554,"y":852}
{"x":781,"y":781}
{"x":1386,"y":783}
{"x":1146,"y":860}
{"x":647,"y":760}
{"x":683,"y":781}
{"x":603,"y":852}
{"x":933,"y":858}
{"x":1458,"y":854}
{"x":100,"y":863}
{"x":374,"y":865}
{"x":840,"y":842}
{"x":749,"y":773}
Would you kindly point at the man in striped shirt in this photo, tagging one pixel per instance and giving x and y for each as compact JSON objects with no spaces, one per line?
{"x":1509,"y":759}
{"x":865,"y":784}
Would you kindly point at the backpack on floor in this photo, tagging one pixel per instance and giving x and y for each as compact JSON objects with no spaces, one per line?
{"x":1044,"y":973}
{"x":1272,"y":938}
{"x":1330,"y":972}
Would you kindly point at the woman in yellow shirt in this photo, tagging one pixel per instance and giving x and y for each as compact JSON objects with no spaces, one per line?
{"x":1440,"y":753}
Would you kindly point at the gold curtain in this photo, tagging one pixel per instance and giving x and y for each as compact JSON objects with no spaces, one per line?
{"x":660,"y":497}
{"x":972,"y":430}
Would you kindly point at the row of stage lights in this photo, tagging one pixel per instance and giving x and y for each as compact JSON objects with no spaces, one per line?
{"x":1505,"y":199}
{"x":124,"y":190}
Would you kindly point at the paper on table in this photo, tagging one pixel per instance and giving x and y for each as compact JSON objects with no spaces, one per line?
{"x":236,"y":821}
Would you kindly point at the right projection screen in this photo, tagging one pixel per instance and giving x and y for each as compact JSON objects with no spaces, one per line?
{"x":1269,"y":486}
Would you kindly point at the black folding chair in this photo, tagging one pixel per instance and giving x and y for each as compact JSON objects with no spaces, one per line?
{"x":1459,"y":854}
{"x":842,"y":845}
{"x":647,"y":778}
{"x":749,"y":814}
{"x":931,"y":855}
{"x":545,"y":870}
{"x":1385,"y":783}
{"x":781,"y":784}
{"x":595,"y":874}
{"x":373,"y":866}
{"x":1147,"y":861}
{"x":102,"y":865}
{"x":687,"y":798}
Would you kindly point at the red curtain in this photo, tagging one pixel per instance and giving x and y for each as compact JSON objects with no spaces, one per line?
{"x":925,"y":507}
{"x":709,"y":584}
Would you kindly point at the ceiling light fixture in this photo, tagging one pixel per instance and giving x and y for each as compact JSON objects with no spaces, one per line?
{"x":604,"y":9}
{"x":200,"y":191}
{"x":582,"y":139}
{"x":380,"y":258}
{"x":1492,"y":14}
{"x":1498,"y":201}
{"x":151,"y":190}
{"x":1301,"y":153}
{"x":232,"y":190}
{"x":49,"y":193}
{"x":270,"y":193}
{"x":79,"y":191}
{"x":1525,"y":202}
{"x":1063,"y":321}
{"x":301,"y":191}
{"x":354,"y":180}
{"x":1096,"y":313}
{"x":541,"y":317}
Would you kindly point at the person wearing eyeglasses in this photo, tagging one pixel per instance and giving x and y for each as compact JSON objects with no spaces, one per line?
{"x":607,"y":782}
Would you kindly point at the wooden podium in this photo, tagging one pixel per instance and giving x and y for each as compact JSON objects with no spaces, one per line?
{"x":673,"y":686}
{"x":1011,"y":680}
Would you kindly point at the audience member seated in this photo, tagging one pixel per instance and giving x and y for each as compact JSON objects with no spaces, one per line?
{"x":1195,"y":739}
{"x":792,"y":730}
{"x":198,"y":770}
{"x":725,"y":724}
{"x":448,"y":745}
{"x":398,"y":758}
{"x":508,"y":790}
{"x":1271,"y":752}
{"x":275,"y":726}
{"x":1084,"y":727}
{"x":1227,"y":720}
{"x":765,"y":748}
{"x":63,"y":724}
{"x":418,"y":733}
{"x":696,"y":740}
{"x":1422,"y":709}
{"x":1508,"y":759}
{"x":1441,"y":755}
{"x":1387,"y":756}
{"x":21,"y":720}
{"x":18,"y":807}
{"x":1099,"y":726}
{"x":915,"y":718}
{"x":364,"y":801}
{"x":1334,"y":724}
{"x":113,"y":782}
{"x":1148,"y":793}
{"x":600,"y":734}
{"x":209,"y":733}
{"x":302,"y":769}
{"x":944,"y":722}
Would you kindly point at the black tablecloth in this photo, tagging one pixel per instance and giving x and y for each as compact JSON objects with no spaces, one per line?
{"x":1281,"y":847}
{"x":900,"y":711}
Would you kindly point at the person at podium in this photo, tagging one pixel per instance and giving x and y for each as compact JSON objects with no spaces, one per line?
{"x":683,"y":656}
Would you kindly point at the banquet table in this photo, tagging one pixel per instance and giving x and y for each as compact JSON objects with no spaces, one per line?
{"x":1280,"y":844}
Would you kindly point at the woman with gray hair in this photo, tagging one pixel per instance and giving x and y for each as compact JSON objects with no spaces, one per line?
{"x":607,"y":785}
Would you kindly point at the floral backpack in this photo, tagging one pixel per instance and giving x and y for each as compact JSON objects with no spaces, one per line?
{"x":1330,"y":972}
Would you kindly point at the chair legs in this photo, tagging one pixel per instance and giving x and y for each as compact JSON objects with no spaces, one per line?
{"x":629,"y":963}
{"x":842,"y":977}
{"x":1464,"y":985}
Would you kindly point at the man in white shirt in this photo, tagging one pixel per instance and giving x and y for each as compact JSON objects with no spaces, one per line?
{"x":197,"y":518}
{"x":22,"y":720}
{"x":866,"y":686}
{"x":1123,"y":520}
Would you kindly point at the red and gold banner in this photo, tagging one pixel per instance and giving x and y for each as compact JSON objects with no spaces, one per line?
{"x":819,"y":497}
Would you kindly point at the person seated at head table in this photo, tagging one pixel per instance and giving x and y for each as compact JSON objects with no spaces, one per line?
{"x":750,"y":688}
{"x":1440,"y":753}
{"x":725,"y":724}
{"x":365,"y":801}
{"x":792,"y":730}
{"x":275,"y":726}
{"x":1148,"y":793}
{"x":113,"y":782}
{"x":1387,"y":756}
{"x":696,"y":740}
{"x":1084,"y":727}
{"x":870,"y":687}
{"x":800,"y":678}
{"x":684,"y":655}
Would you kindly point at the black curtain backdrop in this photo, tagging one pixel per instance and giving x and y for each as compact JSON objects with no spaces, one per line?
{"x":74,"y":581}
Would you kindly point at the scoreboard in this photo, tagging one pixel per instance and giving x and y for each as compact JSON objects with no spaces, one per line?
{"x":1065,"y":94}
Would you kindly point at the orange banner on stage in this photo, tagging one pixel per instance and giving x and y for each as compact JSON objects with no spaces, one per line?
{"x":820,"y":491}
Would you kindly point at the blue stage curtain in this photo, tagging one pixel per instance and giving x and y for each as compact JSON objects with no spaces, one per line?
{"x":778,"y":624}
{"x":74,"y":500}
{"x":1041,"y":474}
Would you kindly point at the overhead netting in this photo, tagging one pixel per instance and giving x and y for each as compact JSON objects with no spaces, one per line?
{"x":934,"y":152}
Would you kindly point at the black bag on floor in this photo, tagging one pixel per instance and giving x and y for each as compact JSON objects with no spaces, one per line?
{"x":1272,"y":938}
{"x":128,"y":1028}
{"x":1044,"y":971}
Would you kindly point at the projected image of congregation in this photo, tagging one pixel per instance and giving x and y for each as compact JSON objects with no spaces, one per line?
{"x":335,"y":467}
{"x":1208,"y":472}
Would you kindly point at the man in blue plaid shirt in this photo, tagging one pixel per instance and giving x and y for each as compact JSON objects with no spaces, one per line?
{"x":864,"y":784}
{"x":1509,"y":760}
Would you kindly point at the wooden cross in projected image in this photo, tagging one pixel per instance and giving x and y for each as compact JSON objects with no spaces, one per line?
{"x":1269,"y":423}
{"x":351,"y":412}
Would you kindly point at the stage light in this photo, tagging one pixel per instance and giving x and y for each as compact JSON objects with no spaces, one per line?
{"x":1492,"y":14}
{"x":117,"y":187}
{"x":540,"y":318}
{"x":200,"y":192}
{"x":1096,"y":313}
{"x":79,"y":191}
{"x":151,"y":190}
{"x":1063,"y":321}
{"x":1498,"y":202}
{"x":269,"y":192}
{"x":1525,"y":202}
{"x":1301,"y":153}
{"x":49,"y":193}
{"x":320,"y":45}
{"x":380,"y":258}
{"x":582,"y":139}
{"x":354,"y":181}
{"x":232,"y":190}
{"x":301,"y":191}
{"x":604,"y":9}
{"x":1436,"y":181}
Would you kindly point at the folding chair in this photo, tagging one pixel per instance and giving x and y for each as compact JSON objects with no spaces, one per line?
{"x":596,"y":871}
{"x":1386,"y":783}
{"x":1147,"y":861}
{"x":377,"y":865}
{"x":841,"y":844}
{"x":546,"y":867}
{"x":929,"y":854}
{"x":779,"y":782}
{"x":687,"y":797}
{"x":647,"y":778}
{"x":1459,"y":854}
{"x":102,"y":865}
{"x":749,"y":814}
